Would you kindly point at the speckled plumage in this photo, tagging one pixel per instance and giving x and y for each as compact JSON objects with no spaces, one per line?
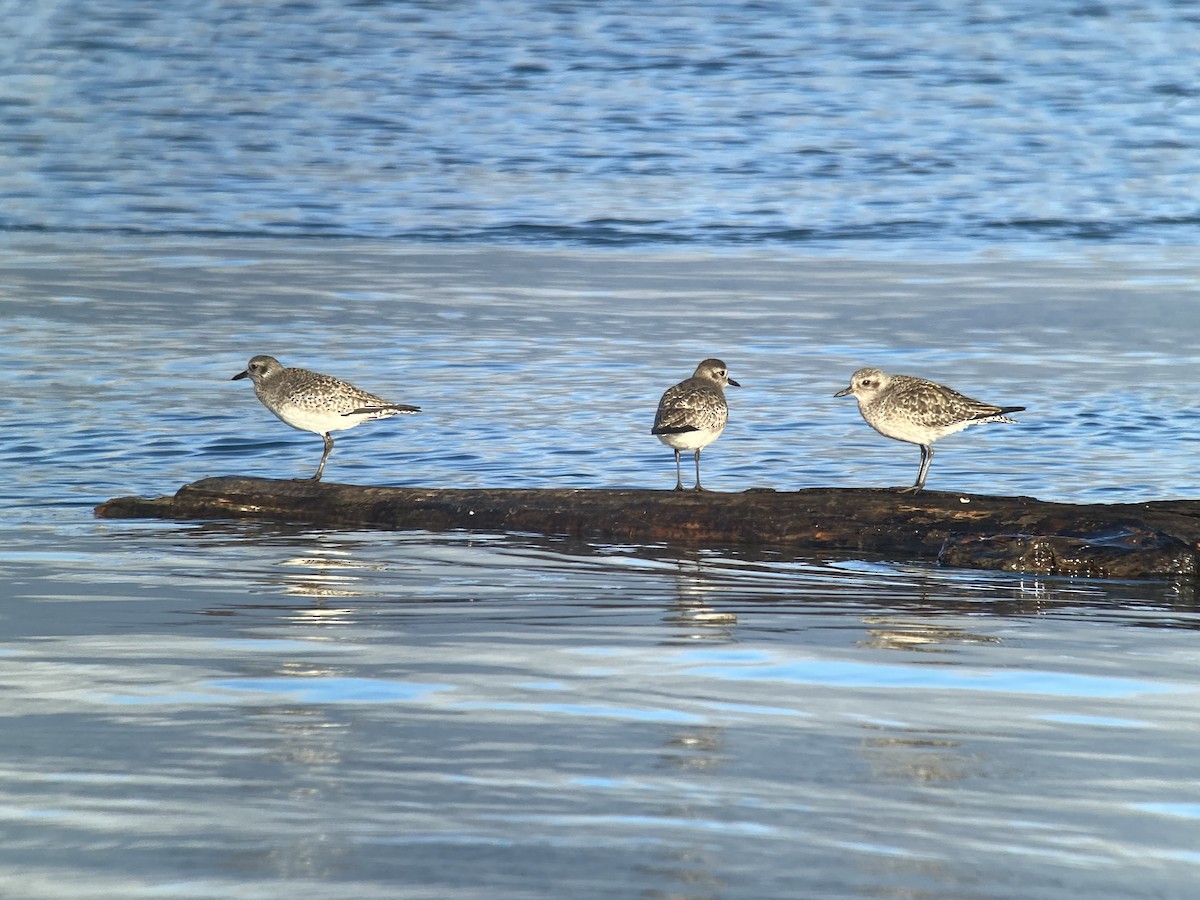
{"x":692,"y":414}
{"x":917,"y":411}
{"x":314,"y":402}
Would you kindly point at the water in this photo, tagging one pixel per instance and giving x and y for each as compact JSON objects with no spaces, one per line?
{"x":245,"y":710}
{"x":926,"y":122}
{"x":530,"y":220}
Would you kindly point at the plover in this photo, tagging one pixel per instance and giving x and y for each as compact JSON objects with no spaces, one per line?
{"x":917,"y":411}
{"x":313,"y":402}
{"x":693,"y":413}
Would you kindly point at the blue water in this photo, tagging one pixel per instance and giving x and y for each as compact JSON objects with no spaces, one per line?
{"x":928,"y":123}
{"x":530,"y":219}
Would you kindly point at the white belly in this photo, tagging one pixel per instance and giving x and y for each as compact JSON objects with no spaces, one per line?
{"x":913,"y":432}
{"x":690,"y":440}
{"x":318,"y":421}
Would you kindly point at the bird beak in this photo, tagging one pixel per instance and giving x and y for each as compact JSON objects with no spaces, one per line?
{"x":245,"y":373}
{"x":844,"y":392}
{"x":731,"y":381}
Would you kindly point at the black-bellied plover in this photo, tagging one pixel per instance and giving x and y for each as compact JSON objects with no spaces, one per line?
{"x":314,"y":402}
{"x":917,"y":411}
{"x":693,"y":414}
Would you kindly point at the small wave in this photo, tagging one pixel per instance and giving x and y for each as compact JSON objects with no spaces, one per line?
{"x":652,"y":233}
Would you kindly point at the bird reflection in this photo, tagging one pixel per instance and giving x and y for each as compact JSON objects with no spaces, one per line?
{"x":696,"y":748}
{"x":914,"y":758}
{"x":895,"y":633}
{"x":692,"y":612}
{"x":329,"y":574}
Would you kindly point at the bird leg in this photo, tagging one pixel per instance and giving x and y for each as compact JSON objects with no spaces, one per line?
{"x":678,"y":473}
{"x":926,"y":459}
{"x":697,"y":487}
{"x":324,"y":457}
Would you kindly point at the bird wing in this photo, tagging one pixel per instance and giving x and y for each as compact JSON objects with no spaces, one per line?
{"x":936,"y":401}
{"x":687,"y":407}
{"x":383,"y":408}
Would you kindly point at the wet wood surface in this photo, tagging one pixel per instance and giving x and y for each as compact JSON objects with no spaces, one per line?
{"x":1019,"y":534}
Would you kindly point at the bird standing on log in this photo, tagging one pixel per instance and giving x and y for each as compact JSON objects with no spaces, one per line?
{"x":313,"y":402}
{"x":917,"y":411}
{"x":692,"y":414}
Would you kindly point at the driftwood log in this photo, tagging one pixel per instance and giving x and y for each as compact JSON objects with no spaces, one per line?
{"x":1018,"y":534}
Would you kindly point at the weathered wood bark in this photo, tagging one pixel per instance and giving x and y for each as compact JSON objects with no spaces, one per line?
{"x":1020,"y":534}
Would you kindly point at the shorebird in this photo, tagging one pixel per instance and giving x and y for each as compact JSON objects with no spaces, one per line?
{"x":693,"y":413}
{"x":917,"y":411}
{"x":313,"y":402}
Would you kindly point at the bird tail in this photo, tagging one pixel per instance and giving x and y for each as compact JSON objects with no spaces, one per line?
{"x":999,"y":414}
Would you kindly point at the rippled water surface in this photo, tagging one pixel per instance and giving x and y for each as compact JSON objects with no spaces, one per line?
{"x":919,"y":121}
{"x":248,"y":711}
{"x":251,"y":710}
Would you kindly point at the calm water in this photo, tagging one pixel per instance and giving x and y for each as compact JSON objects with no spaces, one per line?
{"x":530,"y":219}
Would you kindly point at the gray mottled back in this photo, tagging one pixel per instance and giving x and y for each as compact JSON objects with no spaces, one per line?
{"x":697,"y":404}
{"x":933,"y":405}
